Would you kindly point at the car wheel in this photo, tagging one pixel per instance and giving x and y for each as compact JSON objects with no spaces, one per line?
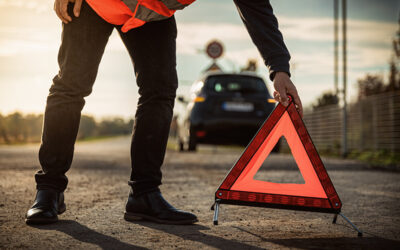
{"x":181,"y":146}
{"x":192,"y":144}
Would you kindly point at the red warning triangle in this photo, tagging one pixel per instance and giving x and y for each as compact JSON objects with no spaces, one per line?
{"x":316,"y":194}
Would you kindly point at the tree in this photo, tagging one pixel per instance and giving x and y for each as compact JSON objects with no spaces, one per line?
{"x":375,"y":84}
{"x":87,"y":126}
{"x":15,"y":126}
{"x":370,"y":85}
{"x":326,"y":99}
{"x":115,"y":126}
{"x":394,"y":64}
{"x":251,"y":66}
{"x":3,"y":130}
{"x":33,"y":125}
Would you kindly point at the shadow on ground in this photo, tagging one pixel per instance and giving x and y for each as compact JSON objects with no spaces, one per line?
{"x":194,"y":233}
{"x":331,"y":243}
{"x":85,"y":234}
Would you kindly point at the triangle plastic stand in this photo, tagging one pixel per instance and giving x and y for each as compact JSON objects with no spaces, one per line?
{"x":316,"y":194}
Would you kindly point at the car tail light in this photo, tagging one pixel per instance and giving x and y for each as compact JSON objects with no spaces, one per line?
{"x":271,"y":101}
{"x":199,"y":99}
{"x":200,"y":133}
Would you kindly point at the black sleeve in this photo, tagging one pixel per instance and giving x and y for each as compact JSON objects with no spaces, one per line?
{"x":262,"y":26}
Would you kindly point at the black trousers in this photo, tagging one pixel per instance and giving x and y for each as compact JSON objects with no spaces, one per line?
{"x":152,"y":49}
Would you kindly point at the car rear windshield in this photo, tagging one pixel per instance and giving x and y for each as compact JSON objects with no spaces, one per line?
{"x":234,"y":84}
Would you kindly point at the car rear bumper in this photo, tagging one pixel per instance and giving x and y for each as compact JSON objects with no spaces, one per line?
{"x":226,"y":131}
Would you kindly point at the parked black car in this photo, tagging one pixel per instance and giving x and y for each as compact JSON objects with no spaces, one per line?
{"x":224,"y":109}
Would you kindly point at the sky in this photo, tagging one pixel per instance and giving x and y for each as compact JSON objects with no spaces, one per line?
{"x":30,"y":37}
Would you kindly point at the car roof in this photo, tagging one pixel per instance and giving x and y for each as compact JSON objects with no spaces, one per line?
{"x":206,"y":75}
{"x":221,"y":73}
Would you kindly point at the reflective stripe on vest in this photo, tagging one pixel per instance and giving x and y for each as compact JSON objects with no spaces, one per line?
{"x":134,"y":13}
{"x":131,"y":4}
{"x":143,"y":13}
{"x":175,"y":4}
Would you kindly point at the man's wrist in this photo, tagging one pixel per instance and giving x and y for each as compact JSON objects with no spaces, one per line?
{"x":280,"y":73}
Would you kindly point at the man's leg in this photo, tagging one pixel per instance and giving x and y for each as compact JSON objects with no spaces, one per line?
{"x":152,"y":48}
{"x":83,"y":43}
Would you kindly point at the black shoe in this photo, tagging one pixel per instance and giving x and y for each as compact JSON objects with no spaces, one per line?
{"x":47,"y":204}
{"x":152,"y":206}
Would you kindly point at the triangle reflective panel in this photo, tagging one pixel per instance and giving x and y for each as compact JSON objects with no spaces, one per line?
{"x":316,"y":194}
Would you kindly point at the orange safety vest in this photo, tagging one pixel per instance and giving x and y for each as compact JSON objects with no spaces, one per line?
{"x":134,"y":13}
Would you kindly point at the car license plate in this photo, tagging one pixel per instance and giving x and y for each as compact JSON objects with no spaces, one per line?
{"x":238,"y":106}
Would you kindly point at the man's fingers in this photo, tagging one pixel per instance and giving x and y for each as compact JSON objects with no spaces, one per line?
{"x":276,"y":96}
{"x":297,"y":101}
{"x":64,"y":10}
{"x":77,"y":7}
{"x":283,"y":97}
{"x":58,"y":12}
{"x":285,"y":87}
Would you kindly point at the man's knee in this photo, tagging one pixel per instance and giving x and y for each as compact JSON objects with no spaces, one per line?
{"x":157,"y":98}
{"x":65,"y":91}
{"x":158,"y":81}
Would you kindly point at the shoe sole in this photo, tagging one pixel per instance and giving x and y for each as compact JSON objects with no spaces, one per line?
{"x":137,"y":217}
{"x":39,"y":221}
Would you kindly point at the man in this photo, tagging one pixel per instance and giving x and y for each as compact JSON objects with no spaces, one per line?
{"x":152,"y":48}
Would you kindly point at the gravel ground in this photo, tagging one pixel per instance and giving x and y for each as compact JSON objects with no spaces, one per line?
{"x":98,"y":190}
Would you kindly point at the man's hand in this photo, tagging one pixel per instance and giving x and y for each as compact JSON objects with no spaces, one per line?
{"x":283,"y":86}
{"x":60,"y":7}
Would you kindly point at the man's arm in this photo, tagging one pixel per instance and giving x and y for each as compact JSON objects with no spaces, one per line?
{"x":262,"y":26}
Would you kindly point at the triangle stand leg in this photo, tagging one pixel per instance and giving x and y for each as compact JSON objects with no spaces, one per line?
{"x":334,"y":219}
{"x":360,"y":233}
{"x":216,"y":211}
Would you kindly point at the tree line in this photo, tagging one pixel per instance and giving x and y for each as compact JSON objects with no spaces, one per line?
{"x":22,"y":128}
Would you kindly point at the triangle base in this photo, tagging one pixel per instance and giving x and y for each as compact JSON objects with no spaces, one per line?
{"x":275,"y":201}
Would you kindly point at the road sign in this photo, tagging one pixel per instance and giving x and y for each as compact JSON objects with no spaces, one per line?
{"x":214,"y":49}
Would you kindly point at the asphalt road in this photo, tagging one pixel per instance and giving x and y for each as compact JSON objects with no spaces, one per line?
{"x":98,"y":190}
